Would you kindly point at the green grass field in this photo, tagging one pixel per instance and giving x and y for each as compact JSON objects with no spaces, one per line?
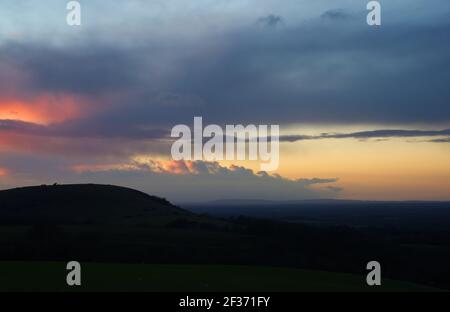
{"x":51,"y":276}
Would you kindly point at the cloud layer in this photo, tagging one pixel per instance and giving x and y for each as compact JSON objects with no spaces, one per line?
{"x":374,"y":134}
{"x":200,"y":181}
{"x":79,"y":103}
{"x":327,"y":66}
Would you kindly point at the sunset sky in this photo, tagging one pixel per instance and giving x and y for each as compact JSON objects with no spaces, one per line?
{"x":364,"y":111}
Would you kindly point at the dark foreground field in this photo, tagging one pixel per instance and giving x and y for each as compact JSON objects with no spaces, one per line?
{"x":182,"y":250}
{"x":51,"y":276}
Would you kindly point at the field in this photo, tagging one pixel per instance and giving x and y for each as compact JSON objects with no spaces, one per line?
{"x":51,"y":276}
{"x":185,"y":251}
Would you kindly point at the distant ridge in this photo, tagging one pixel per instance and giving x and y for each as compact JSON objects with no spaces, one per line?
{"x":408,"y":214}
{"x":325,"y":201}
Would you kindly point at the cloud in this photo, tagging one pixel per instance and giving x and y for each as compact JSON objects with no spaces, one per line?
{"x":271,"y":20}
{"x":316,"y":181}
{"x":82,"y":128}
{"x":444,"y":140}
{"x":21,"y":126}
{"x":336,"y":14}
{"x":336,"y":189}
{"x":129,"y":81}
{"x":89,"y":68}
{"x":374,"y":134}
{"x":180,"y":181}
{"x":3,"y":171}
{"x":194,"y":181}
{"x":307,"y":71}
{"x":42,"y":108}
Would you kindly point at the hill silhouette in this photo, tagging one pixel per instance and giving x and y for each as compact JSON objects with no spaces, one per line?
{"x":83,"y":203}
{"x":110,"y":224}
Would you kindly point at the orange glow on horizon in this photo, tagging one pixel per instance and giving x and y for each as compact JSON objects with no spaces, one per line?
{"x":3,"y":172}
{"x":142,"y":163}
{"x":42,"y":110}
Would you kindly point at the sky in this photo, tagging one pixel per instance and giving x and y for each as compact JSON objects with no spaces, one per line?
{"x":364,"y":112}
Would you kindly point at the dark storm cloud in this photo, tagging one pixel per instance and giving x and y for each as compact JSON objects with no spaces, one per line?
{"x":318,"y":73}
{"x":99,"y":127}
{"x":310,"y":72}
{"x":94,"y":129}
{"x":445,"y":140}
{"x":375,"y":134}
{"x":22,"y":127}
{"x":271,"y":20}
{"x":83,"y":128}
{"x":336,"y":14}
{"x":84,"y":69}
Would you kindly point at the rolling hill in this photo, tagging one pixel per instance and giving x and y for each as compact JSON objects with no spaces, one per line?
{"x":81,"y":204}
{"x":109,"y":225}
